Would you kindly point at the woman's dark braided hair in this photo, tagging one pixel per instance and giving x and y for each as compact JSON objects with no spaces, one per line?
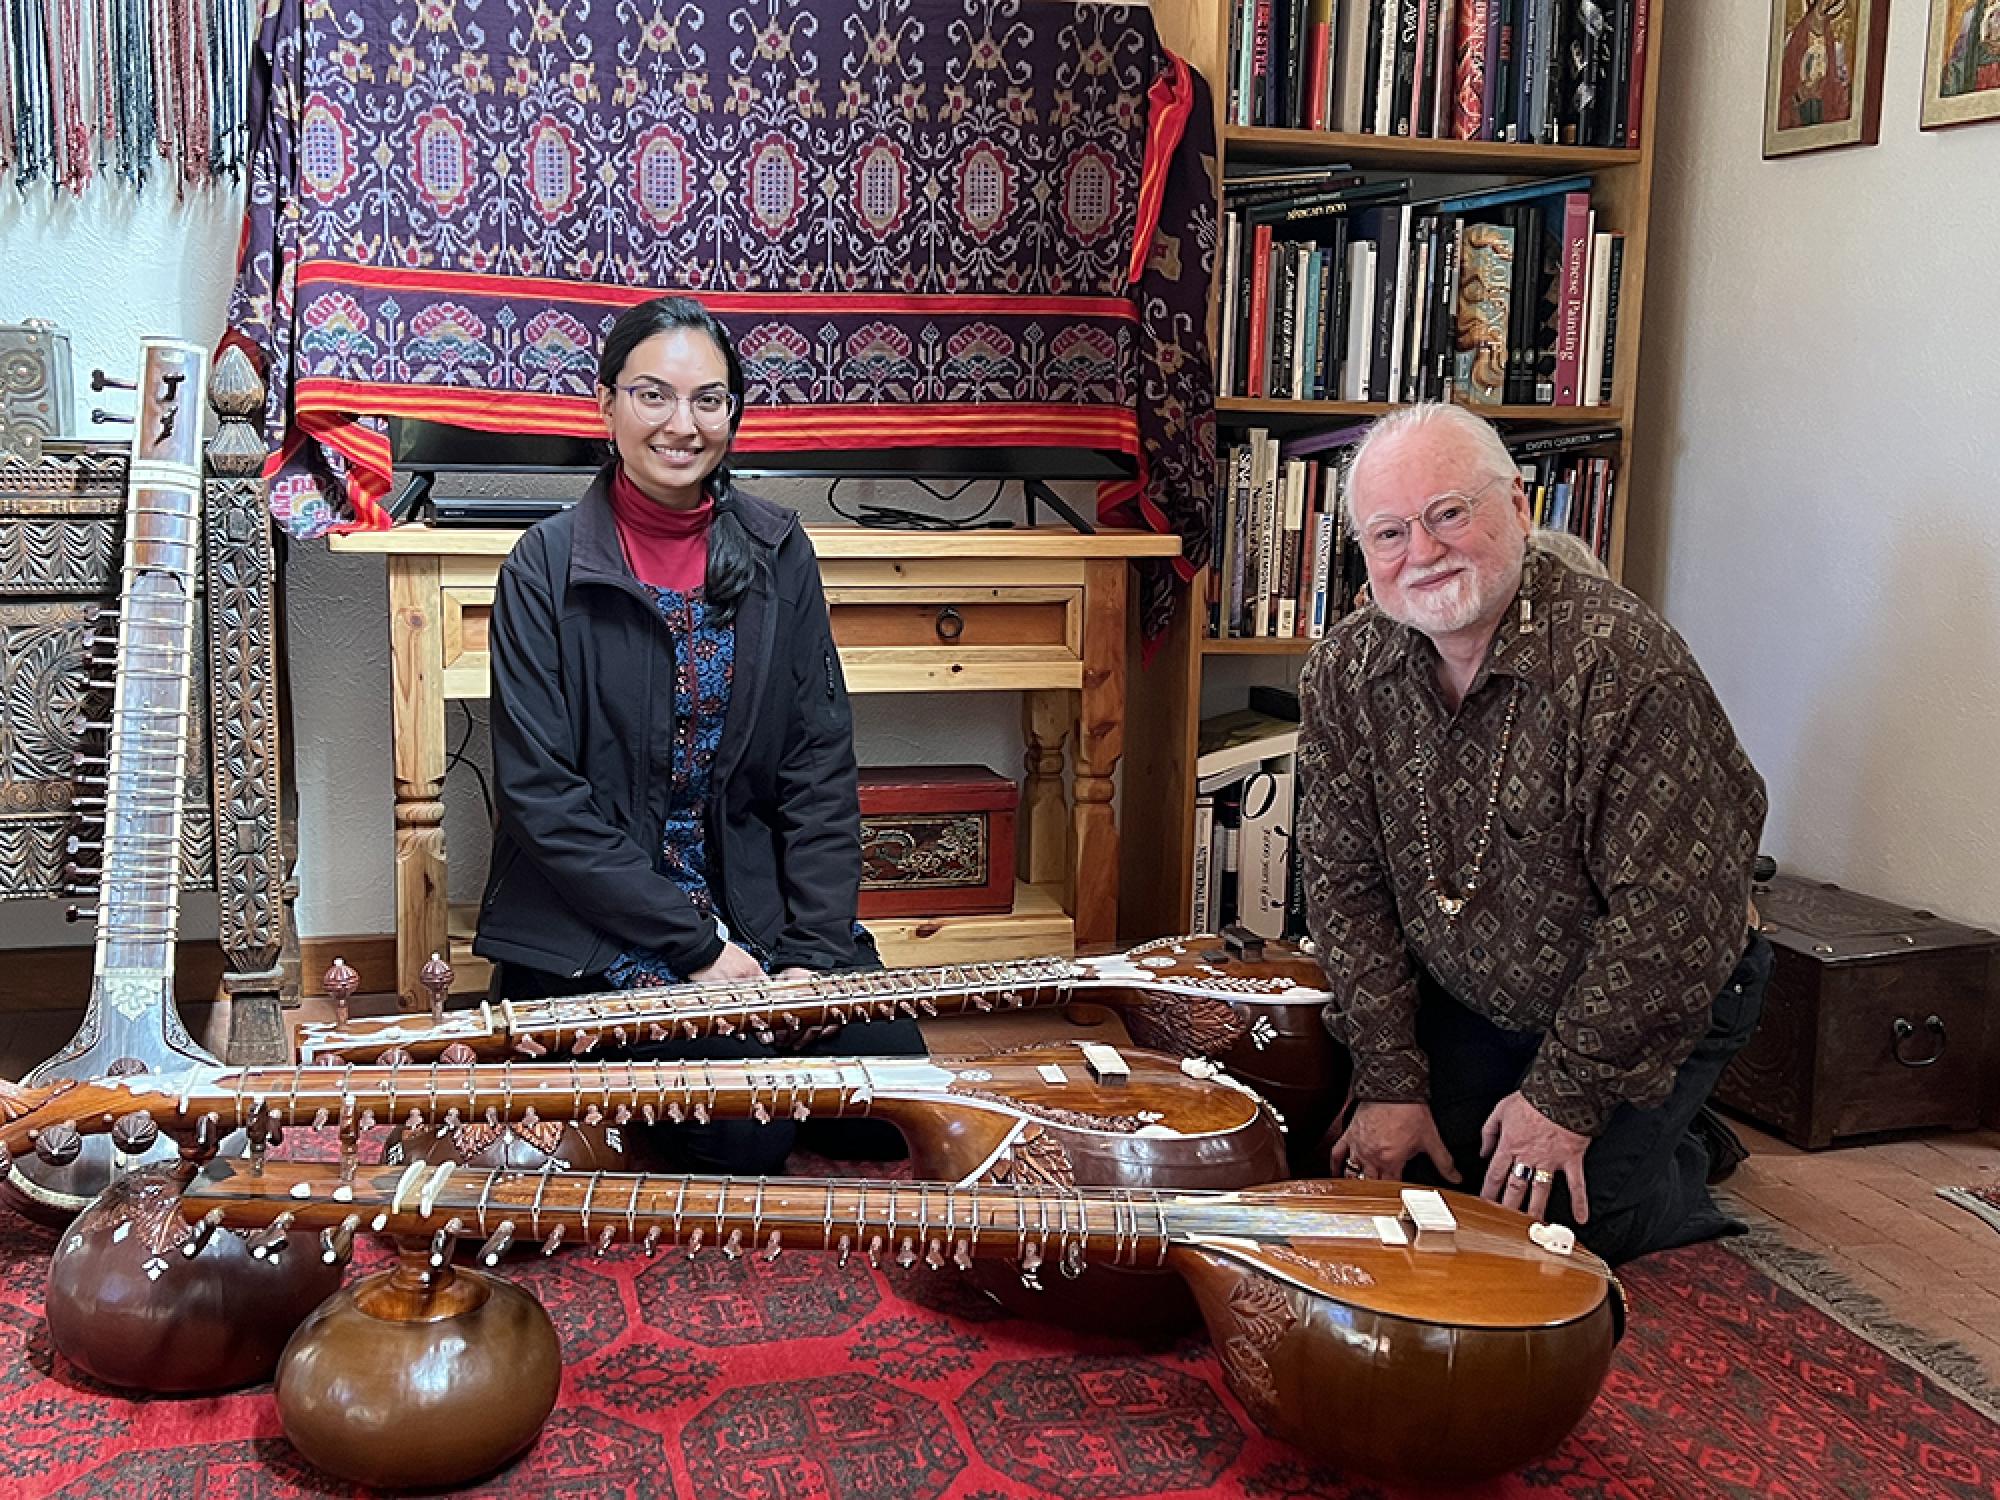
{"x":731,"y":560}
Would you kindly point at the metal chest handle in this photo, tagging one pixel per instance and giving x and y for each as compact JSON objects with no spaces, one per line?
{"x":1905,"y":1030}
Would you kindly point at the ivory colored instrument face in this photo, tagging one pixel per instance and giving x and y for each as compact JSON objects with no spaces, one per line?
{"x":1346,"y":1319}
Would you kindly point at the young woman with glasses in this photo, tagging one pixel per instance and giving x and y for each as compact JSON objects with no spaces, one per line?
{"x":672,"y":749}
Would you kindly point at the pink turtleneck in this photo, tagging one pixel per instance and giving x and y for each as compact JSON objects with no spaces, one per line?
{"x":666,"y":548}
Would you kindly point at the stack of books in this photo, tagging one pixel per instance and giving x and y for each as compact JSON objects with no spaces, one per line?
{"x":1542,"y":72}
{"x":1246,"y":795}
{"x":1340,"y":289}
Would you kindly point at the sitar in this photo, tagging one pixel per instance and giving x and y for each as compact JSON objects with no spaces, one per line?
{"x":1058,"y":1116}
{"x":1413,"y":1336}
{"x":130,"y":1023}
{"x":1251,"y":1006}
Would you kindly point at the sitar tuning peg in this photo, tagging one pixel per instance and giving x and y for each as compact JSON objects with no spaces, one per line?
{"x":269,"y":1242}
{"x":59,"y":1145}
{"x":443,"y":1243}
{"x":341,"y":983}
{"x":135,"y":1134}
{"x":495,"y":1249}
{"x":99,"y":381}
{"x":202,"y":1233}
{"x":104,"y":418}
{"x":336,"y":1245}
{"x":79,"y":914}
{"x":436,"y":977}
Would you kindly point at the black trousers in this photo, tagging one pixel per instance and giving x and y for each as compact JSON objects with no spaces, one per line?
{"x":743,"y":1148}
{"x":1647,"y":1172}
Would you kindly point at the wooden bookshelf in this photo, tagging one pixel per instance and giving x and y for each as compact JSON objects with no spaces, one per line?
{"x":1165,"y":695}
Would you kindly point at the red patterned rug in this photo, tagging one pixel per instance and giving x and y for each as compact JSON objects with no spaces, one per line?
{"x":794,"y":1381}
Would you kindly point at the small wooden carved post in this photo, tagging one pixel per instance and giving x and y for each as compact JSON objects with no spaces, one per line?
{"x":416,"y":608}
{"x":243,"y":665}
{"x":1042,"y":837}
{"x":1100,"y":741}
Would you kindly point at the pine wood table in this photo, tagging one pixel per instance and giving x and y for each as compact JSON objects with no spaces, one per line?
{"x":1039,"y":612}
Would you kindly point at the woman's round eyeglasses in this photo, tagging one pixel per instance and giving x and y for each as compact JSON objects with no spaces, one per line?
{"x":656,"y":403}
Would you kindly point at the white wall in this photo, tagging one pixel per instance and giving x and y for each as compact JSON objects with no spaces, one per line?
{"x":114,"y":266}
{"x":1818,"y":468}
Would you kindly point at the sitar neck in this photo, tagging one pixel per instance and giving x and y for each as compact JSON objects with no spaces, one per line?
{"x":766,"y":1008}
{"x":940,"y":1223}
{"x":152,"y":688}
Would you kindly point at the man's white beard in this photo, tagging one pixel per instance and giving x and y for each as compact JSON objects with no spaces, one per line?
{"x":1443,"y":611}
{"x":1459,"y":605}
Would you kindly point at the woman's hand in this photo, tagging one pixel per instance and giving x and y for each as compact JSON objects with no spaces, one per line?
{"x":731,"y":963}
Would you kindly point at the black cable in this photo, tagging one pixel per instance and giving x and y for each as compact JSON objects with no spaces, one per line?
{"x":457,"y":758}
{"x":895,"y":518}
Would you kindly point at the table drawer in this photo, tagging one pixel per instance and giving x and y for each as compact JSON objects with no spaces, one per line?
{"x":900,"y":638}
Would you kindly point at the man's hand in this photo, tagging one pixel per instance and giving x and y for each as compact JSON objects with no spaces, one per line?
{"x":731,"y":963}
{"x":793,"y":971}
{"x":1381,"y":1138}
{"x":1528,"y":1150}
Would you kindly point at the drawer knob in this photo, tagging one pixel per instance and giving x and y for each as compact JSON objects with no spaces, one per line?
{"x":1905,"y":1030}
{"x":950,"y":624}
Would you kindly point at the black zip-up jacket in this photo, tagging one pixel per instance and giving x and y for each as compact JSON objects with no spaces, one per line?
{"x":583,"y":720}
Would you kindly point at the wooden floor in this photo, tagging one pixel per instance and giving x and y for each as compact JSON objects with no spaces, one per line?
{"x":1870,"y":1211}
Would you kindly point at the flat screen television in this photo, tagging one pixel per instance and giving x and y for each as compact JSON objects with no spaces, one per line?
{"x":436,"y":448}
{"x":459,"y":471}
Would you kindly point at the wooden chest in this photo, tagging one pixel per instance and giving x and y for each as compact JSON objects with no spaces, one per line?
{"x":936,"y":839}
{"x":1878,"y":1018}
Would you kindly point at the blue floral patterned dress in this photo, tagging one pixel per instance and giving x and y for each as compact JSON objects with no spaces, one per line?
{"x":704,"y":668}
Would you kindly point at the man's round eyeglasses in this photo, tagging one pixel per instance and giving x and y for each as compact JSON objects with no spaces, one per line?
{"x":656,"y":403}
{"x":1446,"y":517}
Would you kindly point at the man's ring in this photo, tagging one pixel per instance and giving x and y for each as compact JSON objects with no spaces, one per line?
{"x":1520,"y":1171}
{"x":1543,"y":1177}
{"x":1355,"y":1169}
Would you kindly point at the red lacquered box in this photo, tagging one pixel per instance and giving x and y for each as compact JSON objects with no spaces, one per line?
{"x":936,"y":839}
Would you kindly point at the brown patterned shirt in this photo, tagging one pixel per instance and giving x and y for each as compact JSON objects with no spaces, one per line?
{"x":1611,"y":906}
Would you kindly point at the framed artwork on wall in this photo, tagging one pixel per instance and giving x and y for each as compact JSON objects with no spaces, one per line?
{"x":1823,"y":80}
{"x":1962,"y":63}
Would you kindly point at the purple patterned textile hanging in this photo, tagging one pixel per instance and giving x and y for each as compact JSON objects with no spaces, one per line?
{"x":926,"y":222}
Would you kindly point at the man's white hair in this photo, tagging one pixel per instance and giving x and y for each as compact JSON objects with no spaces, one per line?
{"x":1569,"y":549}
{"x":1474,"y":431}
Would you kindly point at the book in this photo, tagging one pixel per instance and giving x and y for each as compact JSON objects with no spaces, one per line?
{"x":1263,"y":869}
{"x":1240,"y":739}
{"x":1612,"y":282}
{"x":1572,"y":299}
{"x":1485,"y":284}
{"x":1520,"y":192}
{"x":1201,"y":914}
{"x":1532,"y":442}
{"x":1350,"y":67}
{"x":1599,"y":297}
{"x":1468,"y":109}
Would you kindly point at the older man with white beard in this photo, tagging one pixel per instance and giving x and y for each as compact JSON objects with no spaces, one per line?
{"x":1526,"y":835}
